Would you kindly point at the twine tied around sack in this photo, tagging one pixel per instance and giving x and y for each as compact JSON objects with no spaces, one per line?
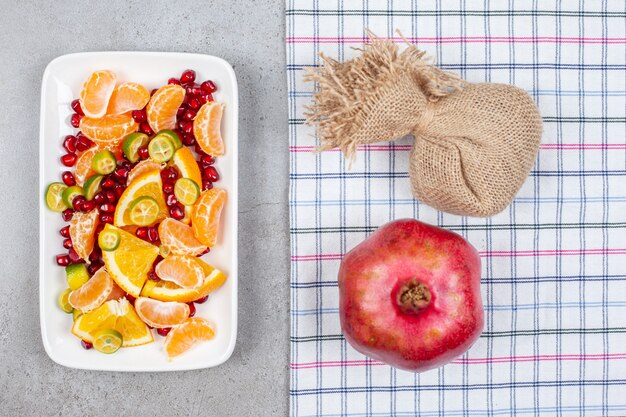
{"x":474,"y":143}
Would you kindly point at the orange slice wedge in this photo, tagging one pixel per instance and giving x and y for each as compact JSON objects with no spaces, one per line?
{"x":146,"y":185}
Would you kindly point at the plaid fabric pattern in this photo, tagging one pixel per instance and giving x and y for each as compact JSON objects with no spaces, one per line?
{"x":554,"y":262}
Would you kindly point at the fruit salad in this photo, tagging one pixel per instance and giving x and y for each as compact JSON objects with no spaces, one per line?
{"x":141,"y":199}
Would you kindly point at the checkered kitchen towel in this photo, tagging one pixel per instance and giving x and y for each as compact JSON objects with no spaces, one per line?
{"x":554,"y":262}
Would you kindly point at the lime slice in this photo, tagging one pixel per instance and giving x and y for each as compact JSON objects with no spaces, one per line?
{"x":109,"y":239}
{"x":161,"y":148}
{"x":77,"y":313}
{"x":132,"y":143}
{"x":144,"y":211}
{"x":70,"y":193}
{"x":63,"y":301}
{"x":54,"y":196}
{"x":104,"y":162}
{"x":92,"y":186}
{"x":171,"y":135}
{"x":107,"y":341}
{"x":186,"y":191}
{"x":76,"y":275}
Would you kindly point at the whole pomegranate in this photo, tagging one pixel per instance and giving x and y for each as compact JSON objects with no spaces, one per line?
{"x":410,"y":295}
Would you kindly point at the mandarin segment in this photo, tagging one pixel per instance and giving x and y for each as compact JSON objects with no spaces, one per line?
{"x":160,"y":314}
{"x":93,"y":293}
{"x":178,"y":238}
{"x":128,"y":96}
{"x":82,"y":231}
{"x":96,"y":93}
{"x":84,"y":168}
{"x":207,"y":128}
{"x":181,"y":270}
{"x":206,"y":214}
{"x":109,"y":130}
{"x":185,"y":336}
{"x":142,"y":168}
{"x":163,"y":105}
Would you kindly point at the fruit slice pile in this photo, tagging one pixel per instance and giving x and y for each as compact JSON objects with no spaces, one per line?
{"x":139,"y":197}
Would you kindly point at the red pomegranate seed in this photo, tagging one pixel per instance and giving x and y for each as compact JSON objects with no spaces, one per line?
{"x":86,"y":345}
{"x":144,"y":127}
{"x":192,"y":309}
{"x":74,"y":257}
{"x":143,"y":152}
{"x":69,"y":159}
{"x":130,"y":298}
{"x":199,"y":150}
{"x":154,"y":90}
{"x":83,"y":142}
{"x":171,"y":200}
{"x":110,"y":197}
{"x":96,"y":255}
{"x":194,"y":104}
{"x":106,"y":218}
{"x":75,"y":120}
{"x":107,"y":184}
{"x":142,"y":233}
{"x":211,"y":174}
{"x":189,"y":140}
{"x":188,"y":76}
{"x":125,"y":163}
{"x":173,"y":81}
{"x":206,"y":185}
{"x":67,"y":214}
{"x":189,"y":115}
{"x":119,"y":190}
{"x":99,"y":228}
{"x":89,"y":205}
{"x":208,"y":86}
{"x":180,"y":112}
{"x":77,"y":202}
{"x":121,"y":174}
{"x":153,"y":276}
{"x":177,"y":213}
{"x":63,"y":260}
{"x":93,"y":268}
{"x":168,"y":188}
{"x":153,"y":234}
{"x":107,"y":208}
{"x":76,"y":107}
{"x":69,"y":143}
{"x":67,"y":244}
{"x":139,"y":116}
{"x":65,"y":231}
{"x":99,"y":198}
{"x":163,"y":332}
{"x":206,"y":161}
{"x":68,"y":178}
{"x":202,"y":300}
{"x":169,"y":175}
{"x":205,"y":98}
{"x":207,"y":250}
{"x":186,"y":127}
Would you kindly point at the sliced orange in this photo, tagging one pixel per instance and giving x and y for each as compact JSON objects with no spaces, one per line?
{"x":187,"y":165}
{"x":205,"y":218}
{"x":130,"y":262}
{"x":116,"y":293}
{"x":163,"y":105}
{"x":82,"y":231}
{"x":206,"y":128}
{"x":160,"y":314}
{"x":168,"y":291}
{"x":146,"y":185}
{"x":182,"y":270}
{"x":96,"y":93}
{"x":108,"y":130}
{"x":142,"y":168}
{"x":84,"y":169}
{"x":117,"y":315}
{"x":178,"y":238}
{"x":183,"y":337}
{"x":93,"y":293}
{"x":127,"y":97}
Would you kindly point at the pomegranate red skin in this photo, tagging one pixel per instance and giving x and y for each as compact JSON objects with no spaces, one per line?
{"x":374,"y":272}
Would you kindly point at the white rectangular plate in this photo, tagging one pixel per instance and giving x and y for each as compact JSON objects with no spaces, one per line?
{"x":62,"y":82}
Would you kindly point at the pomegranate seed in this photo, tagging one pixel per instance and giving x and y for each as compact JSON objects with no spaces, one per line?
{"x":74,"y":258}
{"x":194,"y":104}
{"x":177,"y":213}
{"x":89,"y":205}
{"x":205,"y":98}
{"x":110,"y":197}
{"x":144,"y":127}
{"x":139,"y":116}
{"x":169,"y":175}
{"x":208,"y":86}
{"x":188,"y":76}
{"x":83,"y":142}
{"x":106,"y":218}
{"x":75,"y":120}
{"x":202,"y":300}
{"x":67,"y":244}
{"x":86,"y":345}
{"x":93,"y":268}
{"x":96,"y":255}
{"x":63,"y":260}
{"x":69,"y":143}
{"x":171,"y":200}
{"x":153,"y":234}
{"x":107,"y":208}
{"x":206,"y":161}
{"x":67,"y":214}
{"x":199,"y":150}
{"x":77,"y":202}
{"x":153,"y":276}
{"x":173,"y":81}
{"x":206,"y":185}
{"x":189,"y":140}
{"x":154,"y":90}
{"x":69,"y":159}
{"x":143,"y":152}
{"x":68,"y":178}
{"x":142,"y":233}
{"x":164,"y":331}
{"x":65,"y":231}
{"x":130,"y":298}
{"x":119,"y":190}
{"x":100,"y":198}
{"x":189,"y":115}
{"x":76,"y":107}
{"x":168,"y":188}
{"x":211,"y":174}
{"x":207,"y":250}
{"x":107,"y":184}
{"x":186,"y":127}
{"x":125,"y":163}
{"x":121,"y":174}
{"x":99,"y":228}
{"x":192,"y":309}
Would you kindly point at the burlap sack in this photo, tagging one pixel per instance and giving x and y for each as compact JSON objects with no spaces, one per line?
{"x":474,"y":143}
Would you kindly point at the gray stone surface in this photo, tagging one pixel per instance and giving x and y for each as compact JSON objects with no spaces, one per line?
{"x":248,"y":34}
